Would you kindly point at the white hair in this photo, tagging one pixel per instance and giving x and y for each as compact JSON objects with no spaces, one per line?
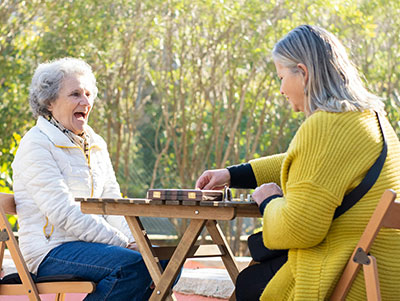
{"x":334,"y":84}
{"x":47,"y":81}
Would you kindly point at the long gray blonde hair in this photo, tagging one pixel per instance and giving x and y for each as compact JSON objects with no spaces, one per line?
{"x":334,"y":84}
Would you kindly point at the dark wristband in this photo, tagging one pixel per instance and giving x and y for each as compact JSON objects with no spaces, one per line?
{"x":266,"y":201}
{"x":242,"y":176}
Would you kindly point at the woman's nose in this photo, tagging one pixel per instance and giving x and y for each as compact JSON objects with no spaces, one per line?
{"x":85,"y":100}
{"x":281,"y":90}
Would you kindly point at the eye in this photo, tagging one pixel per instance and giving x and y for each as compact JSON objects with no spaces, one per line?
{"x":75,"y":94}
{"x":88,"y":94}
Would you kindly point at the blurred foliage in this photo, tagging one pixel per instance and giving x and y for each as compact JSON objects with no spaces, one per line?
{"x":184,"y":85}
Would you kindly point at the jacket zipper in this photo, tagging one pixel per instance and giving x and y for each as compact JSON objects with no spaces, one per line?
{"x":91,"y":194}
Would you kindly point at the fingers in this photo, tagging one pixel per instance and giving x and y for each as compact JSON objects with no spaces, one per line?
{"x":202,"y":181}
{"x":211,"y":186}
{"x":132,"y":246}
{"x":266,"y":190}
{"x":205,"y":182}
{"x":278,"y":190}
{"x":213,"y":179}
{"x":271,"y":189}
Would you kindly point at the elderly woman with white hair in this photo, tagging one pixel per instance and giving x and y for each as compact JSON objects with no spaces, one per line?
{"x":304,"y":193}
{"x":61,"y":158}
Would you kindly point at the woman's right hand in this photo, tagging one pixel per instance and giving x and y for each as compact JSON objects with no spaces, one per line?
{"x":214,"y":179}
{"x":132,"y":246}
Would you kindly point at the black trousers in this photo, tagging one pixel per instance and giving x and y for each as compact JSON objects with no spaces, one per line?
{"x":252,"y":281}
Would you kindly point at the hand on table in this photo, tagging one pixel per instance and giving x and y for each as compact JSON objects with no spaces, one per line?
{"x":214,"y":179}
{"x":264,"y":191}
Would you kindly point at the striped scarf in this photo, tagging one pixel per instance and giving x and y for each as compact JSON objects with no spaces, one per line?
{"x":81,"y":140}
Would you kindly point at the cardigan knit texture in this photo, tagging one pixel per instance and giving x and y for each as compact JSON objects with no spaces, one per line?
{"x":49,"y":171}
{"x":328,"y":157}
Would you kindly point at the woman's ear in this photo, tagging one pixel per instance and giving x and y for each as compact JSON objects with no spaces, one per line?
{"x":304,"y":71}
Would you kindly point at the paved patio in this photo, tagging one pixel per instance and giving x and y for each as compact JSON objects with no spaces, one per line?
{"x":202,"y":279}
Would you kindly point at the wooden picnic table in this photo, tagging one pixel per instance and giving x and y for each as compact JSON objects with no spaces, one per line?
{"x":202,"y":214}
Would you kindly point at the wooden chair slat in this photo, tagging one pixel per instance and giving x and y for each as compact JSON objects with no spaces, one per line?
{"x":386,"y":214}
{"x":392,"y":218}
{"x":28,"y":286}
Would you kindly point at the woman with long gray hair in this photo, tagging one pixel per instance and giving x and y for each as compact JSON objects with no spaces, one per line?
{"x":61,"y":158}
{"x":302,"y":194}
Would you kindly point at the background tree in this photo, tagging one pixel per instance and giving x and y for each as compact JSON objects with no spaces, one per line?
{"x":184,"y":85}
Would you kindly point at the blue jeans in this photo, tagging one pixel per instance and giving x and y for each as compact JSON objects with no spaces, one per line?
{"x":120,"y":273}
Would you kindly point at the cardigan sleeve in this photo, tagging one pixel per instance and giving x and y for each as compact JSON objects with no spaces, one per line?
{"x":268,"y":169}
{"x":322,"y":165}
{"x":301,"y":219}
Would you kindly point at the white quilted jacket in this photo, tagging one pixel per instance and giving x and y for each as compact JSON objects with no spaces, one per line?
{"x":49,"y":171}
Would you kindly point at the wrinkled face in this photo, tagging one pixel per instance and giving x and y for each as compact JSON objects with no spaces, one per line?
{"x":292,"y":86}
{"x":74,"y":103}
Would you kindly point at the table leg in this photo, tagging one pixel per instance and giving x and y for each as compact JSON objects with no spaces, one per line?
{"x":228,"y":258}
{"x":145,"y":248}
{"x":174,"y":266}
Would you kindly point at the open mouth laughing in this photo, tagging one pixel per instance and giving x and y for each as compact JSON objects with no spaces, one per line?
{"x":81,"y":115}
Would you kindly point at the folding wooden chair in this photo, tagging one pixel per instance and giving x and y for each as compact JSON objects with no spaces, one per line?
{"x":386,"y":214}
{"x":27,"y":286}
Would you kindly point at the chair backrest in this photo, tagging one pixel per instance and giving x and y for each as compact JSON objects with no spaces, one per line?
{"x":28,"y":287}
{"x":386,"y":214}
{"x":8,"y":238}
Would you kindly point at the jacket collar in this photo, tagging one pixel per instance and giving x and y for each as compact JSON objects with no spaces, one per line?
{"x":61,"y":140}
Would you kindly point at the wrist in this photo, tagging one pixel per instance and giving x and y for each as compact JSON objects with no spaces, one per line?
{"x":264,"y":203}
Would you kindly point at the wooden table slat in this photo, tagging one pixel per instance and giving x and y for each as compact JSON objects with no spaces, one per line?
{"x":233,"y":203}
{"x":202,"y":214}
{"x":171,"y":211}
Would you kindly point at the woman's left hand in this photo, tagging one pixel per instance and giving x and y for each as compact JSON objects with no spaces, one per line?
{"x":264,"y":191}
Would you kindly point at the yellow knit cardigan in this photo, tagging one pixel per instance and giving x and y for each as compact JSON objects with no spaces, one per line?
{"x":329,"y":156}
